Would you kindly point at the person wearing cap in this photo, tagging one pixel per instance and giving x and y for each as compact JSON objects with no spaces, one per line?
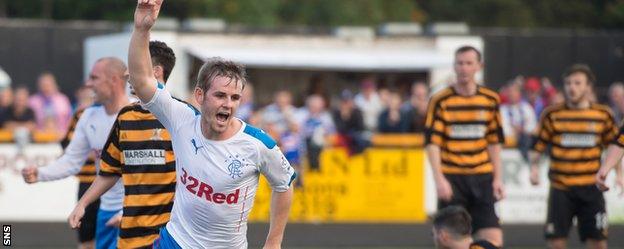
{"x":533,"y":90}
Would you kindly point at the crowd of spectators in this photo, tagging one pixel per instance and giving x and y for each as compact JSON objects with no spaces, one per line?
{"x":349,"y":120}
{"x":46,"y":111}
{"x":355,"y":117}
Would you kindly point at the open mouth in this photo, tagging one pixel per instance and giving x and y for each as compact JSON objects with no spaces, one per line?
{"x":223,"y":116}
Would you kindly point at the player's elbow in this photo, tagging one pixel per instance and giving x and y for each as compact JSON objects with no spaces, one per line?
{"x":283,"y":195}
{"x":139,"y":81}
{"x":432,"y":146}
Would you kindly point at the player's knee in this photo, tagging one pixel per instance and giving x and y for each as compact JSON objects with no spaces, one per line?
{"x":559,"y":243}
{"x":596,"y":244}
{"x":87,"y":245}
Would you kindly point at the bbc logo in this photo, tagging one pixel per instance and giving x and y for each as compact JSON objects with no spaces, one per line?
{"x":6,"y":235}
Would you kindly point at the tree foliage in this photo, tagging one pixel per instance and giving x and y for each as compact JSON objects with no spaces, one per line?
{"x":329,"y":13}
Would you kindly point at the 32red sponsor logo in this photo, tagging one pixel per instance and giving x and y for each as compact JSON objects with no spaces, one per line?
{"x":204,"y":190}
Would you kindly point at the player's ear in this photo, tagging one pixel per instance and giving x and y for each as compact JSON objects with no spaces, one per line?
{"x":444,"y":236}
{"x":158,"y":71}
{"x":198,"y":94}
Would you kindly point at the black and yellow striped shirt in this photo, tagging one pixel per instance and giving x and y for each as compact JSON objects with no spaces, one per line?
{"x":576,"y":138}
{"x":88,"y":172}
{"x":139,"y":150}
{"x":463,"y":127}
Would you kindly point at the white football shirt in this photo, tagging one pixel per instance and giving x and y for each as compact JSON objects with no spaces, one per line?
{"x":90,"y":134}
{"x":217,"y":180}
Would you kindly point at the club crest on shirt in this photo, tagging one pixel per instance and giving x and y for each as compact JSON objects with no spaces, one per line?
{"x":235,"y":166}
{"x":482,"y":115}
{"x":156,"y":135}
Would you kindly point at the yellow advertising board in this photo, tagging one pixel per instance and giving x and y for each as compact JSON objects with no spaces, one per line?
{"x":379,"y":185}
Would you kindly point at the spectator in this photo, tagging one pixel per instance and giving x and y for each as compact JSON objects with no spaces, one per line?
{"x":593,"y":98}
{"x":518,"y":80}
{"x":5,"y":79}
{"x":384,"y":94}
{"x":616,"y":100}
{"x":280,"y":116}
{"x":84,"y":98}
{"x":316,"y":125}
{"x":503,"y":93}
{"x":6,"y":99}
{"x":279,"y":120}
{"x":52,"y":108}
{"x":317,"y":86}
{"x":533,"y":89}
{"x":246,"y":108}
{"x":559,"y":98}
{"x":519,"y":119}
{"x":549,"y":92}
{"x":416,"y":107}
{"x":350,"y":123}
{"x":19,"y":115}
{"x":392,"y":119}
{"x":370,"y":103}
{"x":255,"y":118}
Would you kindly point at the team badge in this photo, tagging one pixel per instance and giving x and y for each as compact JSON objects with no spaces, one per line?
{"x":235,"y":166}
{"x":481,"y":115}
{"x":156,"y":135}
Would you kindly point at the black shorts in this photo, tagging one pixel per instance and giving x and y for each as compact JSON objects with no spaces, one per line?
{"x":476,"y":194}
{"x":586,"y":203}
{"x":86,"y":232}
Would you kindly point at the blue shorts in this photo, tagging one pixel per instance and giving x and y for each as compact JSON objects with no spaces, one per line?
{"x":165,"y":241}
{"x":105,"y":236}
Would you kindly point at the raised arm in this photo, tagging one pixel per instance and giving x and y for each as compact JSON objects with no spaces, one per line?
{"x":139,"y":60}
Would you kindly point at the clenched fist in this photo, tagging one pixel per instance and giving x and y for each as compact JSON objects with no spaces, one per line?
{"x":30,"y":174}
